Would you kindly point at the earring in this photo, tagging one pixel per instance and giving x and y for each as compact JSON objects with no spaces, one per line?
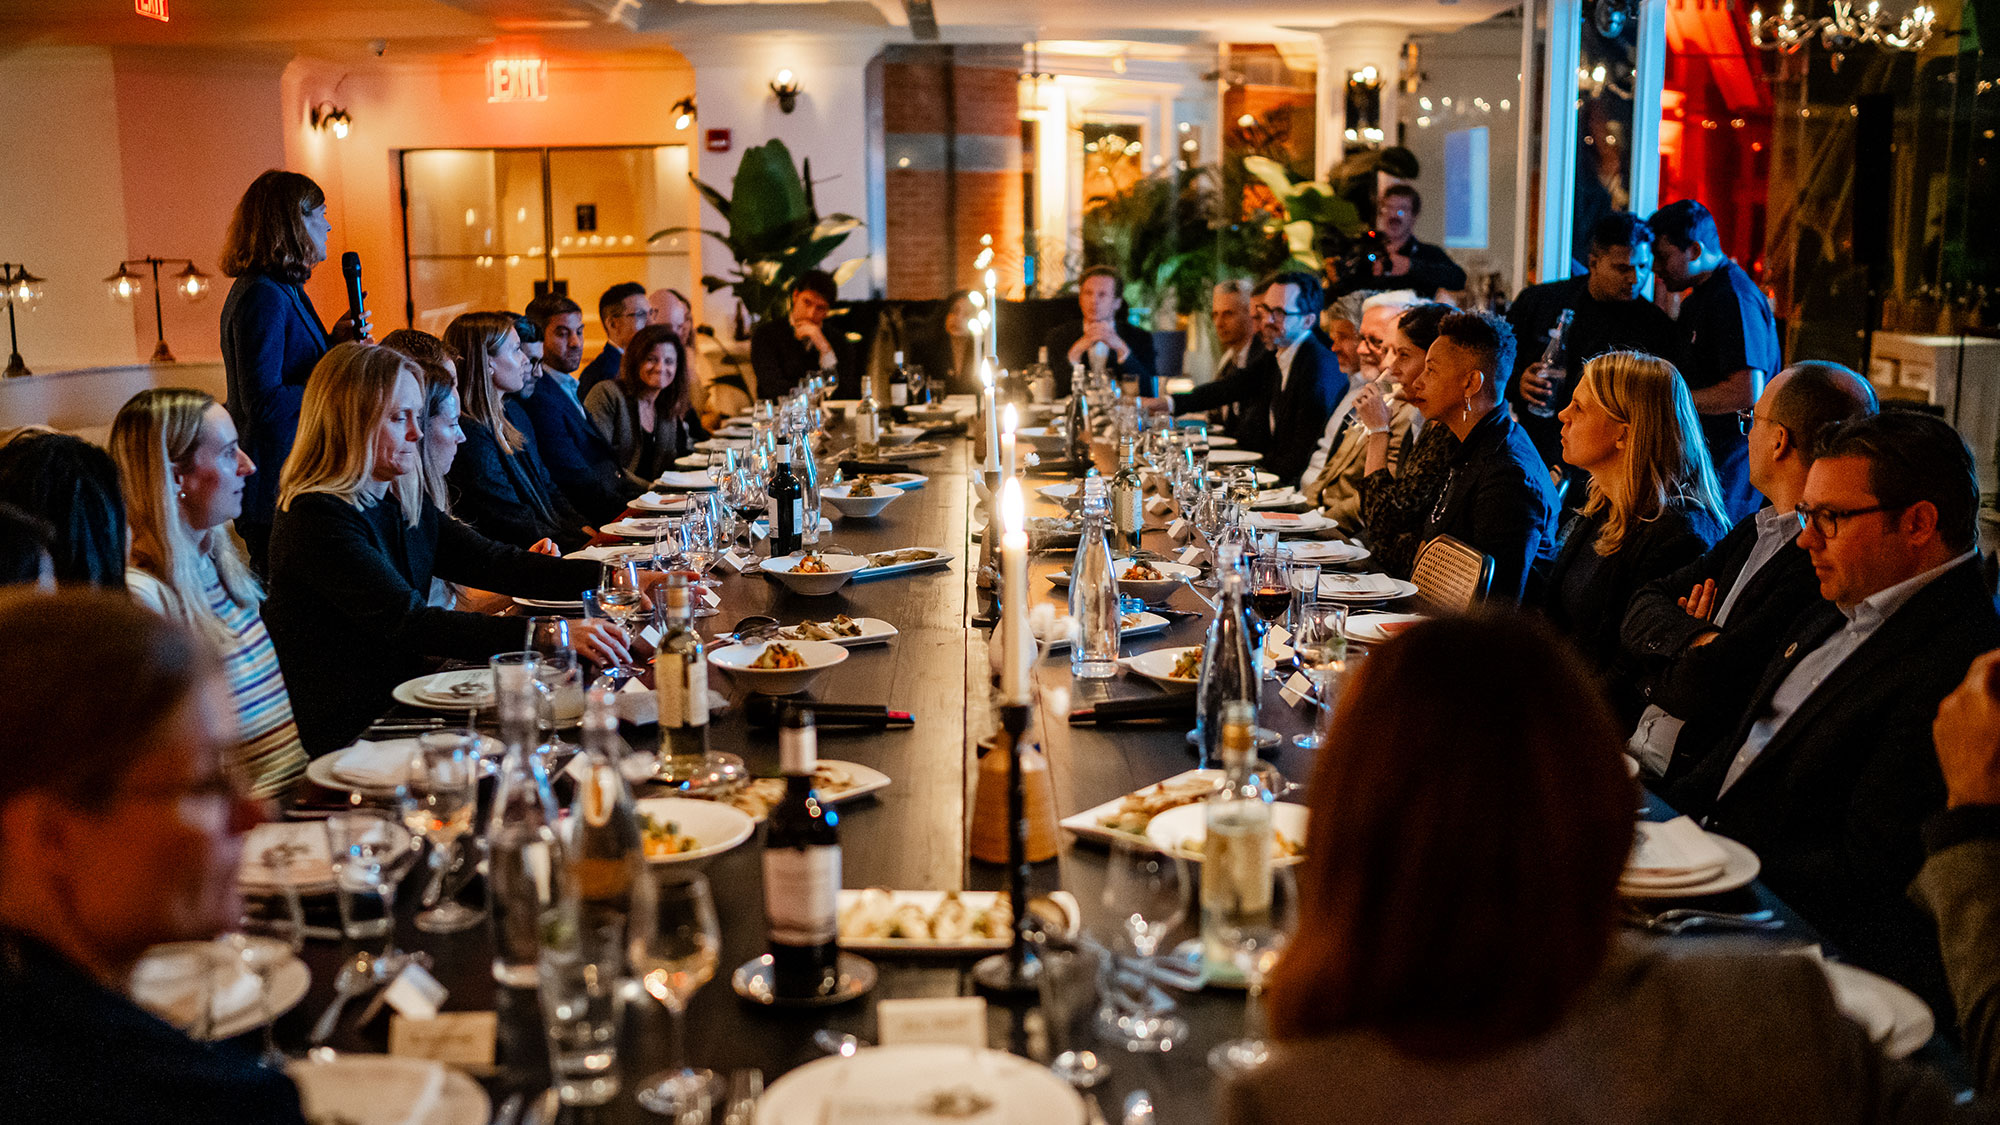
{"x":1465,"y":412}
{"x":183,"y":494}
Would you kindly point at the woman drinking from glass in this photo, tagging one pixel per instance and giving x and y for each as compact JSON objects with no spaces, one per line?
{"x":184,"y":471}
{"x":647,"y":412}
{"x":357,"y":543}
{"x":1458,"y":955}
{"x":1397,"y":494}
{"x":1653,"y":505}
{"x":503,"y":489}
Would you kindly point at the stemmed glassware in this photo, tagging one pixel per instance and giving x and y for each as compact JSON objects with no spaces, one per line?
{"x":744,"y":493}
{"x":1270,"y":590}
{"x":444,"y":787}
{"x":559,"y":670}
{"x":1321,"y":648}
{"x":1255,"y":948}
{"x":371,"y":849}
{"x":680,"y":955}
{"x":1147,"y":894}
{"x":619,"y":593}
{"x":262,"y":954}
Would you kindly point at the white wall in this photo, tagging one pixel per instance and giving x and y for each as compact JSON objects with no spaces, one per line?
{"x":1478,"y":62}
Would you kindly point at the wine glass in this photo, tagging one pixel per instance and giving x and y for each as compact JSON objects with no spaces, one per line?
{"x":1255,"y":945}
{"x":1146,"y":894}
{"x":1321,"y":648}
{"x":444,"y":782}
{"x":744,"y":493}
{"x":1271,"y":590}
{"x":559,"y":670}
{"x":679,"y":955}
{"x":620,"y":591}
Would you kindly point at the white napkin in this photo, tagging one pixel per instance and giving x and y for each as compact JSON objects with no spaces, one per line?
{"x":169,"y":982}
{"x":609,"y":551}
{"x":376,"y":765}
{"x":1277,"y":497}
{"x":408,"y":1093}
{"x":1357,"y":585}
{"x":657,"y":499}
{"x":465,"y":687}
{"x":1676,"y":850}
{"x":304,"y":860}
{"x":1325,"y":551}
{"x":685,"y":480}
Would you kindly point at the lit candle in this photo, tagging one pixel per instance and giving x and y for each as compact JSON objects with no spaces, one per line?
{"x":1010,"y":420}
{"x":1014,"y":650}
{"x":993,"y":310}
{"x":992,"y":415}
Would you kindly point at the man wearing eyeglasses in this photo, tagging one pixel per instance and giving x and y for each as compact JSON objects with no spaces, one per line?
{"x":623,"y":310}
{"x":1831,"y":771}
{"x":1287,"y":396}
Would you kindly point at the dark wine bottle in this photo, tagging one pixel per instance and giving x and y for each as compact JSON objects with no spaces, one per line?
{"x":786,"y":509}
{"x":899,"y":390}
{"x":802,"y":872}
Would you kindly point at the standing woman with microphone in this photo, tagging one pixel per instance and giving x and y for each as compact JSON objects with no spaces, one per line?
{"x":271,"y":334}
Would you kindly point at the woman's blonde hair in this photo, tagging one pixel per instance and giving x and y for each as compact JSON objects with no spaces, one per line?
{"x":156,"y":432}
{"x":436,"y":362}
{"x":1665,"y":455}
{"x":347,"y":394}
{"x":476,"y":337}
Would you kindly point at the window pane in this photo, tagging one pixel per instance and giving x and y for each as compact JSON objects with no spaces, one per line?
{"x":605,"y":203}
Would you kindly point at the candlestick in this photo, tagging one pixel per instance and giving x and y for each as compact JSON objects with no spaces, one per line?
{"x":1010,"y":420}
{"x":1014,"y":651}
{"x":992,"y":416}
{"x":993,"y":310}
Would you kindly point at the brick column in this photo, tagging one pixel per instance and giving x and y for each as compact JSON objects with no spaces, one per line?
{"x":952,"y":138}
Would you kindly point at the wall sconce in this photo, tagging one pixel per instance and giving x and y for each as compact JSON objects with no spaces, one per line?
{"x":190,"y":283}
{"x":683,"y":114}
{"x":330,"y":118}
{"x":786,"y":87}
{"x":18,"y":287}
{"x":1364,"y":107}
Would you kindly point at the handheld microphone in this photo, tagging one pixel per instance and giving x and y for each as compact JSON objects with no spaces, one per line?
{"x":350,"y":265}
{"x":764,"y":711}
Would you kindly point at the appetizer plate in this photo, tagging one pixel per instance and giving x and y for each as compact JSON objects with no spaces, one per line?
{"x":1130,"y":625}
{"x":840,"y":568}
{"x":441,"y":691}
{"x":1291,"y":523}
{"x":362,"y":1089}
{"x":834,"y":781}
{"x":1738,"y":869}
{"x":1059,"y":908}
{"x":1158,"y":666}
{"x":1125,"y":818}
{"x":915,"y":451}
{"x":737,"y":660}
{"x":634,"y":527}
{"x":1233,"y":457}
{"x":874,"y":631}
{"x":714,"y":827}
{"x":608,"y":551}
{"x":1364,"y":587}
{"x":172,"y":980}
{"x":1374,"y":628}
{"x":1327,"y":552}
{"x":1181,"y":831}
{"x":660,"y":502}
{"x":933,"y":558}
{"x":911,"y":1082}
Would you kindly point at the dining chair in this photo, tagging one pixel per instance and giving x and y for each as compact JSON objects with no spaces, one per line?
{"x":1450,"y":574}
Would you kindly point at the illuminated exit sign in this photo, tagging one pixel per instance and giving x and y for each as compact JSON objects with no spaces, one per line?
{"x":511,"y":80}
{"x":151,"y":9}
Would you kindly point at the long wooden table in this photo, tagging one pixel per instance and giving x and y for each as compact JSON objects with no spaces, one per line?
{"x":910,"y":835}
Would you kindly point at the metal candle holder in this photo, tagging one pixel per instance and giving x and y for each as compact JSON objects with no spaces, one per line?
{"x":1017,"y":969}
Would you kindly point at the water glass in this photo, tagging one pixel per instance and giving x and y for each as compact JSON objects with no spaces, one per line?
{"x":370,"y":850}
{"x":1146,"y":892}
{"x":1255,"y":948}
{"x":1304,"y":580}
{"x":1067,"y":987}
{"x":583,"y":1008}
{"x":1321,"y":648}
{"x":559,"y":670}
{"x":681,"y":953}
{"x":444,"y":786}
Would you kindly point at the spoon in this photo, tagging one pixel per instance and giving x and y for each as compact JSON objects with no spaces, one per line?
{"x":749,"y":628}
{"x":356,"y":977}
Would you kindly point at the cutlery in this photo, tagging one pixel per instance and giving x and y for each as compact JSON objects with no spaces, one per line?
{"x":754,"y":627}
{"x":1138,"y":1108}
{"x":1670,"y":922}
{"x":387,"y":969}
{"x":355,"y":977}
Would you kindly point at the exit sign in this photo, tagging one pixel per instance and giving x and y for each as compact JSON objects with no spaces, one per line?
{"x":513,"y":80}
{"x":151,"y":9}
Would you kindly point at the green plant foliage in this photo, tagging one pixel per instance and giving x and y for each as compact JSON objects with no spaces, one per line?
{"x":776,"y":232}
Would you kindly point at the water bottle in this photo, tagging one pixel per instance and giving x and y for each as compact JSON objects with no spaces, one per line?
{"x":602,"y":840}
{"x":529,"y":892}
{"x":806,"y":467}
{"x":1093,"y":593}
{"x":1229,"y":671}
{"x":1236,"y":850}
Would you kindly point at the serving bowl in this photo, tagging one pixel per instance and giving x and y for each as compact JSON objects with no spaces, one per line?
{"x":859,"y":507}
{"x":840,"y":569}
{"x":736,"y":660}
{"x":1153,"y":590}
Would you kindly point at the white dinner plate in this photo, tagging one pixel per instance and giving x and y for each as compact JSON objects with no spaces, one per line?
{"x":1327,"y":552}
{"x":1158,"y":666}
{"x":756,"y":798}
{"x":1895,"y":1018}
{"x":1234,"y":457}
{"x":1375,"y":628}
{"x":323,"y":770}
{"x":656,"y":501}
{"x":412,"y":692}
{"x":1182,"y":831}
{"x":634,"y":527}
{"x":692,"y":461}
{"x":299,"y":846}
{"x":718,"y":444}
{"x":1291,"y":523}
{"x":164,"y":984}
{"x":977,"y":902}
{"x":697,"y":481}
{"x":1089,"y":824}
{"x":1132,"y":625}
{"x":903,"y":1083}
{"x":874,"y":631}
{"x":1221,"y":441}
{"x":1738,"y":870}
{"x":1343,"y":588}
{"x":362,"y":1089}
{"x":608,"y":551}
{"x":714,"y":826}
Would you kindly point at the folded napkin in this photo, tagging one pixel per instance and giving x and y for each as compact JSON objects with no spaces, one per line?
{"x":609,"y":551}
{"x":170,"y":981}
{"x":376,"y":765}
{"x":656,"y":500}
{"x":1326,"y":551}
{"x":376,"y":1089}
{"x":466,"y":687}
{"x":296,"y":852}
{"x":1277,"y":497}
{"x":1673,"y":852}
{"x":1357,"y":585}
{"x":696,"y":480}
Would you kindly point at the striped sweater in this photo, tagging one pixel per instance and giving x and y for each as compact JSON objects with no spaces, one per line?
{"x":270,"y":752}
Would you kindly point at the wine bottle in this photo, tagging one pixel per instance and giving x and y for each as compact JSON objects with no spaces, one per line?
{"x":680,"y":682}
{"x":606,"y":851}
{"x":1229,"y":671}
{"x":1128,"y":513}
{"x":899,"y":389}
{"x":802,"y":872}
{"x":785,"y":510}
{"x":529,"y":892}
{"x":1236,"y":850}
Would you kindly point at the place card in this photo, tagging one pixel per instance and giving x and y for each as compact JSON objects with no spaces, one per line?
{"x":1159,"y":505}
{"x":709,"y":597}
{"x":458,"y":1038}
{"x":1191,"y":556}
{"x":742,"y":562}
{"x":1180,"y":531}
{"x":952,"y":1020}
{"x":415,"y":993}
{"x":651,"y":635}
{"x":1297,"y":690}
{"x":1277,"y":638}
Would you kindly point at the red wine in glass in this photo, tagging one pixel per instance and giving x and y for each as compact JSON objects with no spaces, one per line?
{"x":1271,"y":602}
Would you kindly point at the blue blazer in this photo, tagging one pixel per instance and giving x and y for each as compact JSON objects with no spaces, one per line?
{"x":579,"y":460}
{"x":506,"y":497}
{"x":271,"y":339}
{"x":603,"y":366}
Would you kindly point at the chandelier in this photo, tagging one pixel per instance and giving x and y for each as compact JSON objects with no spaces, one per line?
{"x":1844,"y":30}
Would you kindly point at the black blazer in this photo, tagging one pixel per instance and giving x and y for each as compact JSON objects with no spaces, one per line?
{"x":348,"y":610}
{"x":1302,"y":407}
{"x":1497,"y":497}
{"x":510,"y":499}
{"x":579,"y":460}
{"x":602,"y":366}
{"x":1585,"y":594}
{"x":1835,"y":803}
{"x":782,"y":361}
{"x":1236,"y":388}
{"x":1709,"y":687}
{"x":271,"y":340}
{"x":1140,"y":364}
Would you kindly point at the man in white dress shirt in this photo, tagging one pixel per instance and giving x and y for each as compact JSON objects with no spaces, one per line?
{"x":1378,"y":320}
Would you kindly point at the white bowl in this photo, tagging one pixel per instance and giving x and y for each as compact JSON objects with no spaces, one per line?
{"x":814,"y":585}
{"x":1153,"y":591}
{"x":859,"y":507}
{"x":715,"y":825}
{"x":1180,"y":831}
{"x":1158,"y":665}
{"x":736,"y":660}
{"x":933,"y":413}
{"x":898,"y":435}
{"x":1045,"y":439}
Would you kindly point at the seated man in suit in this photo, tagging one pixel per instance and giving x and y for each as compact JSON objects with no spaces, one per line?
{"x":622,"y":310}
{"x":1238,"y":377}
{"x":1704,"y":633}
{"x":578,"y":458}
{"x":1831,"y":772}
{"x":1101,"y":340}
{"x":785,"y":353}
{"x":1287,"y":397}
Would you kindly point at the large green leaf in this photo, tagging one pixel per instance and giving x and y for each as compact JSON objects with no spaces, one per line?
{"x":767,"y":199}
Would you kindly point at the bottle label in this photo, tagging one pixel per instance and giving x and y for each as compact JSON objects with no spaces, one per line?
{"x":682,"y":687}
{"x":798,"y":514}
{"x":899,"y":394}
{"x":802,"y":894}
{"x":600,"y":795}
{"x":865,"y":433}
{"x":1125,"y":513}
